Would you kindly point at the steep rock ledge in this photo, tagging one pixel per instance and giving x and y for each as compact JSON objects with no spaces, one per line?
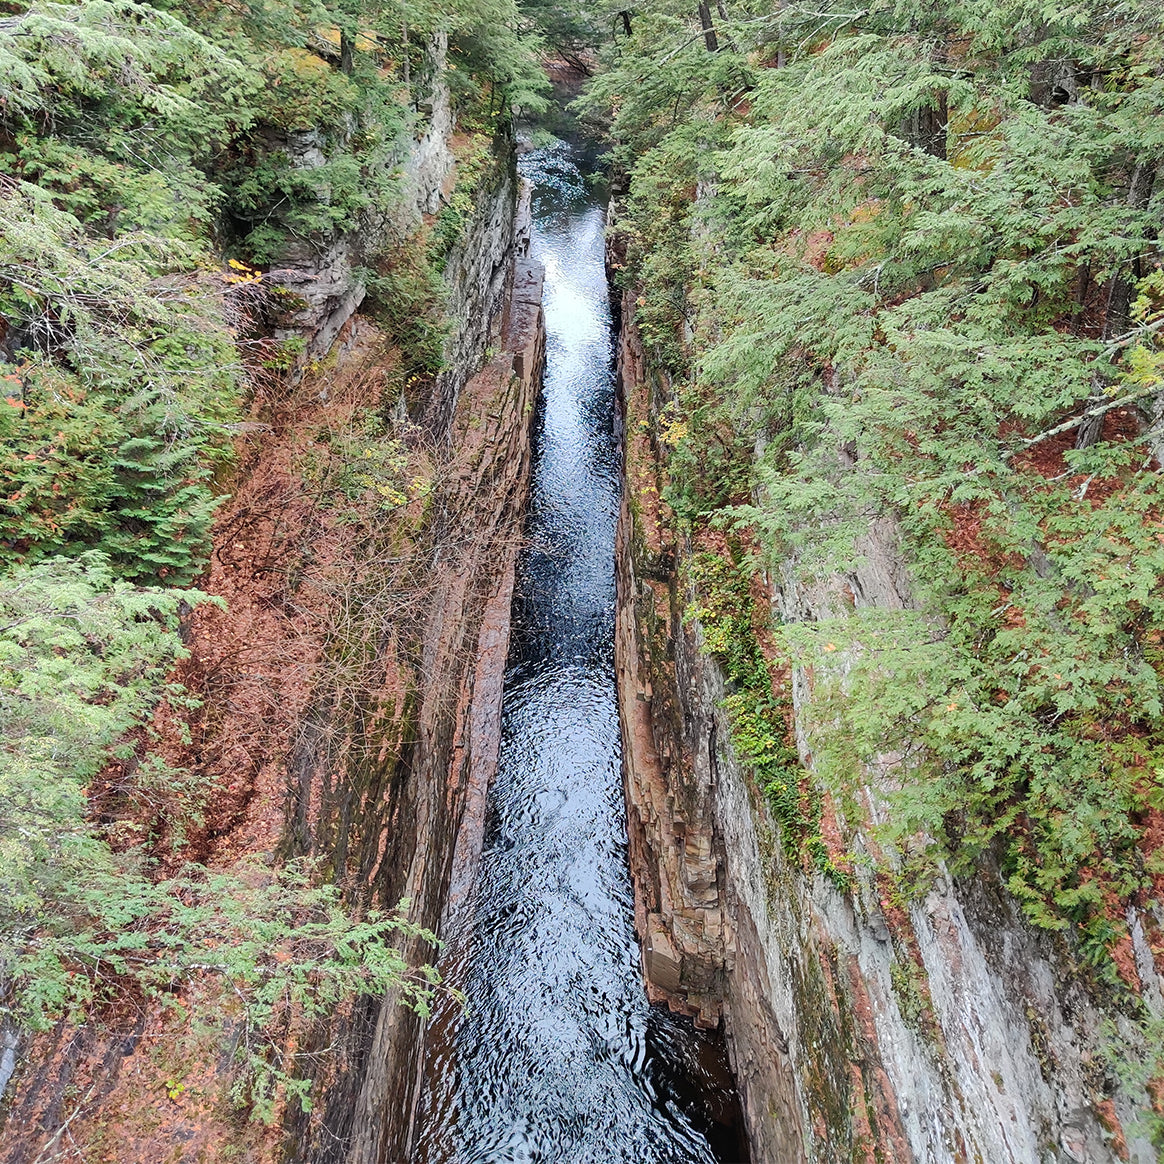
{"x":434,"y":815}
{"x":479,"y":275}
{"x":324,"y":271}
{"x":860,"y":1027}
{"x":377,"y":774}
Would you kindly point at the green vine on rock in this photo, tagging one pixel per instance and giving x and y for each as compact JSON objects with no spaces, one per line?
{"x":458,"y":209}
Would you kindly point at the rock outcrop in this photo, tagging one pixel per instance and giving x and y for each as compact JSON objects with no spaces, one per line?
{"x":433,"y":819}
{"x":478,"y":273}
{"x":324,"y":272}
{"x":862,"y":1026}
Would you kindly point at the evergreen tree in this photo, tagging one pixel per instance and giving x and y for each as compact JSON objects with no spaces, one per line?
{"x":912,"y":250}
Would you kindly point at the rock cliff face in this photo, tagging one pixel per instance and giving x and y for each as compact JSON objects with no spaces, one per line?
{"x":324,"y":272}
{"x":412,"y":824}
{"x":380,"y":775}
{"x":478,"y":273}
{"x":861,"y":1026}
{"x":425,"y":829}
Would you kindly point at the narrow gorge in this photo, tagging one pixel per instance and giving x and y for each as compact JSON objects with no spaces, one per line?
{"x":581,"y":584}
{"x":559,"y":1056}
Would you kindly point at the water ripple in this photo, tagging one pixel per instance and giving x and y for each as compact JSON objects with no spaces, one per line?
{"x":559,"y":1058}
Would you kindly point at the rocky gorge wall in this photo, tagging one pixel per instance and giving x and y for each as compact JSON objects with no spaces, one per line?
{"x":862,"y":1026}
{"x":325,"y":272}
{"x":351,"y":688}
{"x":422,"y":829}
{"x":412,"y":821}
{"x":328,"y":274}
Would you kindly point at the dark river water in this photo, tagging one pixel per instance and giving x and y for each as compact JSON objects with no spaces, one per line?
{"x":559,"y":1058}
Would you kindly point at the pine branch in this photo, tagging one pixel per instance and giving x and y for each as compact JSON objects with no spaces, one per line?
{"x":1076,"y":421}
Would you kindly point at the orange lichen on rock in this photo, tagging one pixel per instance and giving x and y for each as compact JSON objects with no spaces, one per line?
{"x":1106,"y":1111}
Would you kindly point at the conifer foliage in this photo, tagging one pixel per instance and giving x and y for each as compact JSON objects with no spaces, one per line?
{"x":137,"y":144}
{"x":151,"y":168}
{"x":910,"y":252}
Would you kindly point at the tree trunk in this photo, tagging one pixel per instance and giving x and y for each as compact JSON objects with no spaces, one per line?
{"x":1117,"y":315}
{"x":709,"y":37}
{"x":1081,"y":297}
{"x":721,"y":8}
{"x":346,"y":48}
{"x":926,"y":128}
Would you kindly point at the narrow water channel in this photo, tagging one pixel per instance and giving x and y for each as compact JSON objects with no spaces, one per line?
{"x":559,"y":1058}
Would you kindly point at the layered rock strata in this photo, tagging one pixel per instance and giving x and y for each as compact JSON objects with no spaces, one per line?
{"x":861,"y":1027}
{"x":435,"y":812}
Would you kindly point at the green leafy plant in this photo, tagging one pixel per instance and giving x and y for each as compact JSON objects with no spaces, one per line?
{"x":84,"y":923}
{"x":121,"y":399}
{"x":758,"y":706}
